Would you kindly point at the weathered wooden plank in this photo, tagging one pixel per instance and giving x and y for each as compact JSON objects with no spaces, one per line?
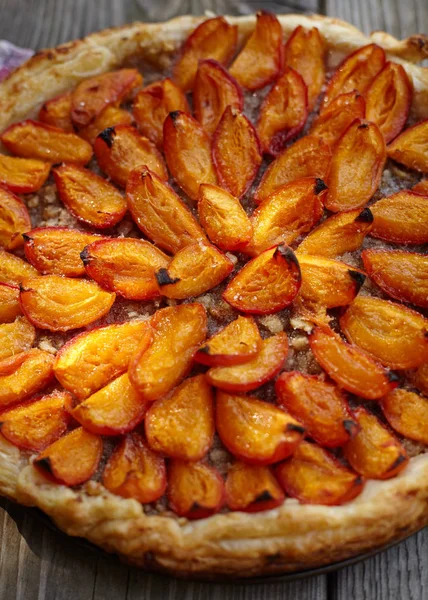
{"x":399,"y":18}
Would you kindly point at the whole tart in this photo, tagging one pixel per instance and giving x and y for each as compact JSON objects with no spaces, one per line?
{"x":213,"y":291}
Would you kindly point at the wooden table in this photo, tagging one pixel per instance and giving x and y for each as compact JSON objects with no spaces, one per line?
{"x":37,"y":563}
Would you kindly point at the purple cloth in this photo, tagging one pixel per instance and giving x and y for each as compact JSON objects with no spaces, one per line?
{"x":11,"y":57}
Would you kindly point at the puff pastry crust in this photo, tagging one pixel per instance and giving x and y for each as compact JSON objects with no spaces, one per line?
{"x":293,"y":536}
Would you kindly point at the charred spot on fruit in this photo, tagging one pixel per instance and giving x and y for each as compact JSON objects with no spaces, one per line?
{"x":22,"y":289}
{"x":320,"y":186}
{"x":195,"y":506}
{"x":350,"y":427}
{"x":45,"y":464}
{"x":265,"y":496}
{"x":56,"y":165}
{"x":163,"y":278}
{"x":393,"y":377}
{"x":402,"y":458}
{"x":294,"y":427}
{"x":358,"y":277}
{"x":26,"y":237}
{"x":174,"y":115}
{"x":287,"y":253}
{"x":205,"y":349}
{"x":107,"y":136}
{"x":363,"y":126}
{"x":84,"y":255}
{"x":365,"y":216}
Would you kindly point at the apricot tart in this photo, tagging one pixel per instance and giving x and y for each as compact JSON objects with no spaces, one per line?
{"x":213,"y":291}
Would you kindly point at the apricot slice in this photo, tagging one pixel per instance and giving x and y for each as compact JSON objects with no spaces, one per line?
{"x":410,"y":148}
{"x":62,"y":303}
{"x":181,"y":425}
{"x":255,"y":431}
{"x":393,"y":334}
{"x":420,"y":378}
{"x":30,"y":139}
{"x":178,"y":331}
{"x":9,"y":303}
{"x":110,"y":117}
{"x":388,"y":100}
{"x":343,"y":232}
{"x":56,"y":112}
{"x":356,"y":167}
{"x":135,"y":471}
{"x":187,"y":150}
{"x":401,"y":218}
{"x":23,"y":375}
{"x":421,"y":187}
{"x":261,"y":59}
{"x":235,"y":344}
{"x":283,"y":112}
{"x":335,"y":119}
{"x":159,"y":212}
{"x":304,"y":52}
{"x":308,"y":157}
{"x":114,"y":409}
{"x":256,"y":371}
{"x":320,"y":407}
{"x":252,"y":488}
{"x":374,"y":452}
{"x":16,"y":337}
{"x":23,"y":175}
{"x":223,"y":218}
{"x":214,"y":90}
{"x":56,"y":250}
{"x":356,"y":72}
{"x":326,"y":284}
{"x":14,"y":220}
{"x":401,"y":275}
{"x":72,"y":459}
{"x":236,"y":152}
{"x":214,"y":38}
{"x":195,"y":490}
{"x":38,"y":423}
{"x":152,"y":106}
{"x":267,"y":283}
{"x":88,"y":361}
{"x":315,"y":476}
{"x":126,"y":266}
{"x":288,"y":212}
{"x":89,"y":198}
{"x":92,"y":95}
{"x":194,"y":270}
{"x":120,"y":149}
{"x":350,"y":367}
{"x":14,"y":269}
{"x":407,"y":413}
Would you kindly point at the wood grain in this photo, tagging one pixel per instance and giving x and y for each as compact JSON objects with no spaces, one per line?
{"x":39,"y":564}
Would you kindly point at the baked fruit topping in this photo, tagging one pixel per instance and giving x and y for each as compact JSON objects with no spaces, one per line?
{"x":320,"y":407}
{"x":14,"y":220}
{"x":261,"y":59}
{"x":314,"y":476}
{"x":236,"y":152}
{"x":90,"y":198}
{"x":72,"y":459}
{"x":252,"y":488}
{"x":214,"y":90}
{"x":120,"y":149}
{"x":222,"y":269}
{"x":195,"y":489}
{"x":266,"y":284}
{"x":214,"y":38}
{"x":23,"y":175}
{"x":135,"y":471}
{"x":254,"y":431}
